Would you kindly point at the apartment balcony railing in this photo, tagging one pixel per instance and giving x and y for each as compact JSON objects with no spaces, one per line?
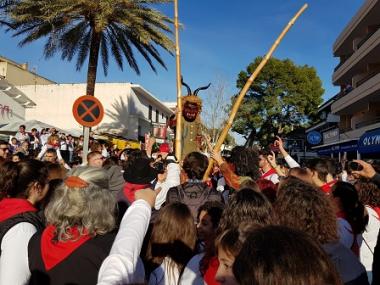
{"x":370,"y":34}
{"x":367,"y":123}
{"x":366,"y":78}
{"x":342,"y":61}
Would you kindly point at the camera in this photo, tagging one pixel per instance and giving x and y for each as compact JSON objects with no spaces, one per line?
{"x":160,"y":167}
{"x":354,"y":166}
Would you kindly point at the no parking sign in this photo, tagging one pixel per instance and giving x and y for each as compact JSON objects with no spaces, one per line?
{"x":88,"y":111}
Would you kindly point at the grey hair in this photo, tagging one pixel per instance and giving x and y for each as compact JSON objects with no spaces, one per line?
{"x":91,"y":209}
{"x":92,"y":175}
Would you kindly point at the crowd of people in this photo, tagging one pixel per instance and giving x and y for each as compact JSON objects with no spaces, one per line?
{"x":142,"y":217}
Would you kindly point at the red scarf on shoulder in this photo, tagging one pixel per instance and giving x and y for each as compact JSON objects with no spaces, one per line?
{"x":53,"y":251}
{"x":10,"y":207}
{"x":130,"y":189}
{"x":210,"y":273}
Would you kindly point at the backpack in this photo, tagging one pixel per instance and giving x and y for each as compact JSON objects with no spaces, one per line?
{"x":193,"y":195}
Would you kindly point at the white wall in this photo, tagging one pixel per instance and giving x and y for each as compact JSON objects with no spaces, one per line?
{"x":122,"y":107}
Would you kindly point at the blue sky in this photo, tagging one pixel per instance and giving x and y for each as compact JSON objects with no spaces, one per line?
{"x":219,"y":39}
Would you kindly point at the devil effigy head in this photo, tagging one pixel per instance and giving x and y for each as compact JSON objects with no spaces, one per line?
{"x":191,"y":103}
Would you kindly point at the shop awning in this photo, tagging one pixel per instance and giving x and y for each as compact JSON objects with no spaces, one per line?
{"x":369,"y":142}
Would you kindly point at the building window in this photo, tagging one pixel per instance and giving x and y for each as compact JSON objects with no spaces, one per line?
{"x":157,"y":116}
{"x":150,"y":113}
{"x":162,"y":116}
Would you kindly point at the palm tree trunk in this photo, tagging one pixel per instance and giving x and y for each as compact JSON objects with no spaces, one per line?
{"x":93,"y":62}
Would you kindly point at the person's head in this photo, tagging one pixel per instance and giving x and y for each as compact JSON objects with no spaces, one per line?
{"x":25,"y":180}
{"x":208,"y":218}
{"x":369,"y":193}
{"x":95,"y":159}
{"x":228,"y":245}
{"x":276,"y":255}
{"x":34,"y":131}
{"x":55,"y":170}
{"x":319,"y":171}
{"x":53,"y":140}
{"x":51,"y":155}
{"x":164,"y":149}
{"x":246,"y":205}
{"x":96,"y":146}
{"x":25,"y":146}
{"x":18,"y":156}
{"x":263,"y":159}
{"x":300,"y":173}
{"x":245,"y":161}
{"x":195,"y":165}
{"x":14,"y":141}
{"x":281,"y":162}
{"x":21,"y":128}
{"x":347,"y":202}
{"x":301,"y":206}
{"x":4,"y":149}
{"x":79,"y":202}
{"x":173,"y":235}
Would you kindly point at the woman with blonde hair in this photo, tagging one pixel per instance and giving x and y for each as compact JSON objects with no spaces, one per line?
{"x":172,"y":244}
{"x":80,"y":218}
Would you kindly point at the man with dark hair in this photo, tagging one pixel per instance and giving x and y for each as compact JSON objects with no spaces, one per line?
{"x":4,"y":149}
{"x":194,"y":192}
{"x":321,"y":177}
{"x":51,"y":155}
{"x":268,"y":172}
{"x":22,"y":135}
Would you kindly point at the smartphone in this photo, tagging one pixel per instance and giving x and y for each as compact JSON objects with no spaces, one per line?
{"x":354,"y":166}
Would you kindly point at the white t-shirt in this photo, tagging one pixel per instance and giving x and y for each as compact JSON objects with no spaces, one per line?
{"x":14,"y":266}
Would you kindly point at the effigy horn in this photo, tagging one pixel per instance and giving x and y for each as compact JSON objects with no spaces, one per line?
{"x":187,"y":86}
{"x":201,"y":88}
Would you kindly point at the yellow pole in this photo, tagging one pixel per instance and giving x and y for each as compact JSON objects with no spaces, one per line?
{"x":249,"y":82}
{"x":178,"y":135}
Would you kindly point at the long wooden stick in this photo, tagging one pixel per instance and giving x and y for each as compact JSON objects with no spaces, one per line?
{"x":249,"y":82}
{"x":178,"y":135}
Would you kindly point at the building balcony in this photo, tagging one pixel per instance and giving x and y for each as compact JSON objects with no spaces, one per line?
{"x":368,"y":15}
{"x":358,"y":62}
{"x":358,"y":98}
{"x":358,"y":132}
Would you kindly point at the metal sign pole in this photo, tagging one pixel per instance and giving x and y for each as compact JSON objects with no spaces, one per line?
{"x":86,"y":140}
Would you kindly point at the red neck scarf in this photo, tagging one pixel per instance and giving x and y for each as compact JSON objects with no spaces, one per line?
{"x":130,"y":189}
{"x":326,"y":188}
{"x":10,"y":207}
{"x":268,"y":173}
{"x":210,"y":273}
{"x":53,"y":252}
{"x":377,"y":210}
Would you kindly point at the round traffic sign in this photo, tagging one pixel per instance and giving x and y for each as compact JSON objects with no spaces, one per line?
{"x":88,"y":111}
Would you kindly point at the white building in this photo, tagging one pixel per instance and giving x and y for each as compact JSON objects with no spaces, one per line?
{"x":13,"y":101}
{"x":129,"y":109}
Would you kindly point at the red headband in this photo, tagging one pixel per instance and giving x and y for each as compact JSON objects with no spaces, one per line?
{"x":75,"y":182}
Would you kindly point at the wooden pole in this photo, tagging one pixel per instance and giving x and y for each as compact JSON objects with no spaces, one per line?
{"x":178,"y":135}
{"x":249,"y":82}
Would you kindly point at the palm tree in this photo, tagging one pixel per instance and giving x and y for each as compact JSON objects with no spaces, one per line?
{"x":87,"y":28}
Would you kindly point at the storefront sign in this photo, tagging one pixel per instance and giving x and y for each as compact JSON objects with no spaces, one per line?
{"x":314,"y":137}
{"x":369,"y":142}
{"x":331,"y":136}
